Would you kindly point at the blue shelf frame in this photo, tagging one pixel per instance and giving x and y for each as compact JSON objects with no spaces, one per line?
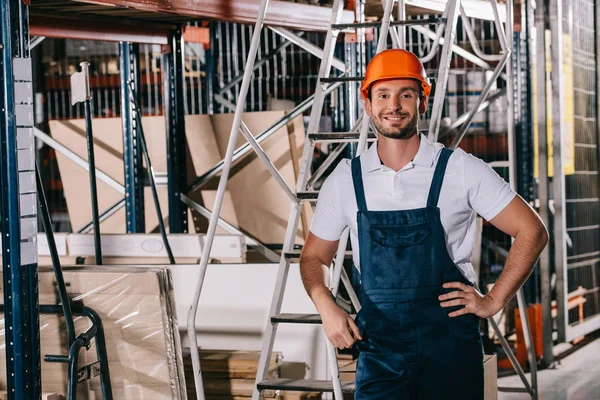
{"x":174,"y":111}
{"x":132,"y":150}
{"x":19,"y":248}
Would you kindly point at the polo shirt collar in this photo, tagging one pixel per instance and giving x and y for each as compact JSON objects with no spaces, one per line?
{"x":425,"y":156}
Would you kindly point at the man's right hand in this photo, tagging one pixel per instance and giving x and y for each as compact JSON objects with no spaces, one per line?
{"x":340,"y":328}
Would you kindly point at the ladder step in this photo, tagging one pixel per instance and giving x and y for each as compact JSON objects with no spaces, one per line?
{"x":311,"y":196}
{"x":338,"y":137}
{"x":334,"y":79}
{"x":342,"y":79}
{"x":293,"y":255}
{"x":410,"y":22}
{"x":296,"y":319}
{"x":303,"y":385}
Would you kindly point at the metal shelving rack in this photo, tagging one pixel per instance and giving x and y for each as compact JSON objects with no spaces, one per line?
{"x":19,"y":206}
{"x":20,"y":270}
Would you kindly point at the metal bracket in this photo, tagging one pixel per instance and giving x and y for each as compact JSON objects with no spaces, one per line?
{"x":88,"y":372}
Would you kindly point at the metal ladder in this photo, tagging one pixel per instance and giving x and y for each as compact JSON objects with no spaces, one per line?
{"x":304,"y":193}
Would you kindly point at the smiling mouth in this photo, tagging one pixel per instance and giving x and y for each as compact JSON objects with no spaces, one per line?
{"x":395,"y":118}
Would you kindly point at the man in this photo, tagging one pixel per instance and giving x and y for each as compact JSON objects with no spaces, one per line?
{"x":411,"y":206}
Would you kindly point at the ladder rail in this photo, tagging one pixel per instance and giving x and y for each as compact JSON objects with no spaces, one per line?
{"x":436,"y":40}
{"x":315,"y":116}
{"x":330,"y":158}
{"x":277,"y":300}
{"x":338,"y":274}
{"x":191,"y":326}
{"x":381,"y":44}
{"x":444,"y":69}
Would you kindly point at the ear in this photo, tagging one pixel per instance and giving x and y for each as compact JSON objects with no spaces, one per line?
{"x":423,"y":104}
{"x":368,"y":108}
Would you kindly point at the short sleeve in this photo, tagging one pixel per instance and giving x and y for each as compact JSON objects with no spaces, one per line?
{"x":328,"y":221}
{"x":487,"y":192}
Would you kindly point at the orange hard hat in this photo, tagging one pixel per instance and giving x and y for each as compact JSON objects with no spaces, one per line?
{"x":394,"y":64}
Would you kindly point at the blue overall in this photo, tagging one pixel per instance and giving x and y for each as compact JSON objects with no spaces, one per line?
{"x":411,"y":348}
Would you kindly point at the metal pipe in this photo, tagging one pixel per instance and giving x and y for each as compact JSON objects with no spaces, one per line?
{"x":558,"y":181}
{"x":295,"y":207}
{"x":501,"y":34}
{"x":150,"y":169}
{"x":482,"y":96}
{"x":223,"y":101}
{"x":331,"y":157}
{"x":306,"y":45}
{"x":35,"y":41}
{"x":510,"y":89}
{"x":45,"y":138}
{"x":444,"y":69}
{"x":334,"y":287}
{"x":401,"y":29}
{"x":219,"y":198}
{"x":528,"y":339}
{"x":436,"y":39}
{"x":109,"y":212}
{"x":60,"y":281}
{"x":101,"y":353}
{"x":259,"y":151}
{"x":245,"y":149}
{"x":227,"y":88}
{"x":455,"y":49}
{"x":92,"y":170}
{"x":394,"y":34}
{"x":381,"y":44}
{"x":266,"y":161}
{"x":511,"y":356}
{"x":484,"y":105}
{"x":475,"y":43}
{"x":351,"y":293}
{"x":250,"y":241}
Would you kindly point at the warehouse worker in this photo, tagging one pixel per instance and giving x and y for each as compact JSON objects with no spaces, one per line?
{"x":411,"y":206}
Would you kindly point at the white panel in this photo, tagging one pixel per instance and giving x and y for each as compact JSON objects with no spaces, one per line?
{"x":151,"y":245}
{"x":60,"y":239}
{"x":28,"y":203}
{"x":25,"y":138}
{"x":27,"y":182}
{"x":23,"y":93}
{"x":29,"y":253}
{"x":22,"y":69}
{"x":28,"y":228}
{"x":26,"y":159}
{"x":24,"y":114}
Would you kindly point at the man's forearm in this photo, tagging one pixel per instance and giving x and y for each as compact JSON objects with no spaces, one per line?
{"x":311,"y":271}
{"x":522,"y":256}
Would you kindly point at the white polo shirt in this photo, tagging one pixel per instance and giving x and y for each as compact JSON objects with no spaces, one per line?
{"x":470,"y":187}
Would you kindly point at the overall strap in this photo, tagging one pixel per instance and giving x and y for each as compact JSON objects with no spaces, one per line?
{"x":438,"y":178}
{"x":359,"y":189}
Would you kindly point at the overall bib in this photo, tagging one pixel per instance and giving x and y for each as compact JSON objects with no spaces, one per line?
{"x":411,"y":348}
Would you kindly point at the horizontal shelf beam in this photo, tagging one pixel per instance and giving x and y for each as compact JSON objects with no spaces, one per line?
{"x":279,"y":13}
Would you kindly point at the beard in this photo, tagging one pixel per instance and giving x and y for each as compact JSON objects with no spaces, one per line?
{"x":397,"y":132}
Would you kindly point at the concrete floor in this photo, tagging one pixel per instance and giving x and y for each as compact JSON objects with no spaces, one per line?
{"x":577,"y":377}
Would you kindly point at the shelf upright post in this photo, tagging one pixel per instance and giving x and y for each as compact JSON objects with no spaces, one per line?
{"x":18,"y":205}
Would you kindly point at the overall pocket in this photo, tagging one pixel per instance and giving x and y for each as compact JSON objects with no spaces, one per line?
{"x":400,"y":235}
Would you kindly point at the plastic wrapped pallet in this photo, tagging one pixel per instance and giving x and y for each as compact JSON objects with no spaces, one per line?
{"x":138,"y":314}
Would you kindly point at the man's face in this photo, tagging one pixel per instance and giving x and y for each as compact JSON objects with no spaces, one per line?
{"x":395,"y":106}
